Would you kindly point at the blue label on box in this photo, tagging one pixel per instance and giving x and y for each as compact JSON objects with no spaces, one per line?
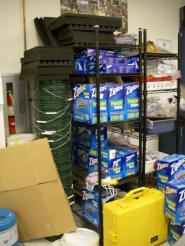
{"x":171,"y":167}
{"x":175,"y":200}
{"x":84,"y":103}
{"x":88,"y":91}
{"x":176,"y":230}
{"x":116,"y":97}
{"x":116,"y":102}
{"x":132,"y":95}
{"x":90,"y":208}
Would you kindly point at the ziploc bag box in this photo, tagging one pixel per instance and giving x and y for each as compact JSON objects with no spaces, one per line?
{"x":111,"y":162}
{"x":90,"y":201}
{"x":87,"y":137}
{"x":84,"y":103}
{"x":175,"y":200}
{"x":176,"y":230}
{"x":171,"y":167}
{"x":129,"y":161}
{"x":132,"y":93}
{"x":130,"y":166}
{"x":116,"y":102}
{"x":131,"y":64}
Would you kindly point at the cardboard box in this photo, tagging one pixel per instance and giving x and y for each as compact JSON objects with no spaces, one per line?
{"x":30,"y":185}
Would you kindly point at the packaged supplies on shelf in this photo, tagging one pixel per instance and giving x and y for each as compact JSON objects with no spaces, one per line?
{"x":87,"y":137}
{"x":176,"y":230}
{"x":163,"y":105}
{"x":84,"y":103}
{"x":112,"y":162}
{"x":140,"y":210}
{"x":161,"y":85}
{"x":131,"y":64}
{"x":90,"y":209}
{"x":151,"y":157}
{"x":131,"y":105}
{"x":171,"y":167}
{"x":109,"y":61}
{"x":116,"y":102}
{"x":117,"y":163}
{"x":131,"y":95}
{"x":175,"y":200}
{"x":129,"y":161}
{"x":131,"y":138}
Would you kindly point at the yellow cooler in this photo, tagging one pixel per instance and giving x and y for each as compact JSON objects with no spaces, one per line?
{"x":136,"y":220}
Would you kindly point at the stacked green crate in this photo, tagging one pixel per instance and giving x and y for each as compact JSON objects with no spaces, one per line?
{"x":52,"y":119}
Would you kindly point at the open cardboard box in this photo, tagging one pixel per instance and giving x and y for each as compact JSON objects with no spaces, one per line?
{"x":30,"y":185}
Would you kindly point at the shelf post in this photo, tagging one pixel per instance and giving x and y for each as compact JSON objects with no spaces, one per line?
{"x":144,"y":103}
{"x":178,"y":125}
{"x":140,"y":105}
{"x":99,"y":137}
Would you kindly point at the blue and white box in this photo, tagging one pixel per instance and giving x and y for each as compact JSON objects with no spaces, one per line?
{"x":131,"y":64}
{"x":175,"y":200}
{"x":171,"y":167}
{"x":84,"y":103}
{"x":112,"y":162}
{"x":116,"y":102}
{"x":176,"y":230}
{"x":131,"y":106}
{"x":90,"y":208}
{"x":130,"y":166}
{"x":132,"y":93}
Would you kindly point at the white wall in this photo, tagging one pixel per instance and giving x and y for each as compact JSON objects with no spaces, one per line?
{"x":11,"y":27}
{"x":160,"y":17}
{"x":38,"y":8}
{"x":11,"y":36}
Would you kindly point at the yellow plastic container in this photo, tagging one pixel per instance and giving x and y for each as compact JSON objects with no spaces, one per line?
{"x":136,"y":220}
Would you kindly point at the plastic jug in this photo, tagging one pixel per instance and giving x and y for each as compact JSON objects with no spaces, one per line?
{"x":81,"y":237}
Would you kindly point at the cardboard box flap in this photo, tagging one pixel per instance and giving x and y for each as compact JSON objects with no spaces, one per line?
{"x":30,"y":186}
{"x":26,"y":165}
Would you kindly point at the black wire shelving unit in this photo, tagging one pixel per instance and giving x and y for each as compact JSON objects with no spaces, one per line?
{"x":138,"y":177}
{"x":157,"y":56}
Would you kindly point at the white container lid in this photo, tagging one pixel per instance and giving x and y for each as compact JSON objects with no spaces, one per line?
{"x":81,"y":237}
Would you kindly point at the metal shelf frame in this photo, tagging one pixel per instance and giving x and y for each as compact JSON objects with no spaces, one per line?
{"x":156,"y":56}
{"x":98,"y":75}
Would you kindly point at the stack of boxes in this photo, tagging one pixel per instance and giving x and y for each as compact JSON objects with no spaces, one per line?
{"x":117,"y":163}
{"x":118,"y":102}
{"x":110,"y":62}
{"x":84,"y":103}
{"x":171,"y":180}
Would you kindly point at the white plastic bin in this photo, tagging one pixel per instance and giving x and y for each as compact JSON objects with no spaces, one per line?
{"x":81,"y":237}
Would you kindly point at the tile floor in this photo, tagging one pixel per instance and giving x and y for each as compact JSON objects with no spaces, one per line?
{"x":44,"y":242}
